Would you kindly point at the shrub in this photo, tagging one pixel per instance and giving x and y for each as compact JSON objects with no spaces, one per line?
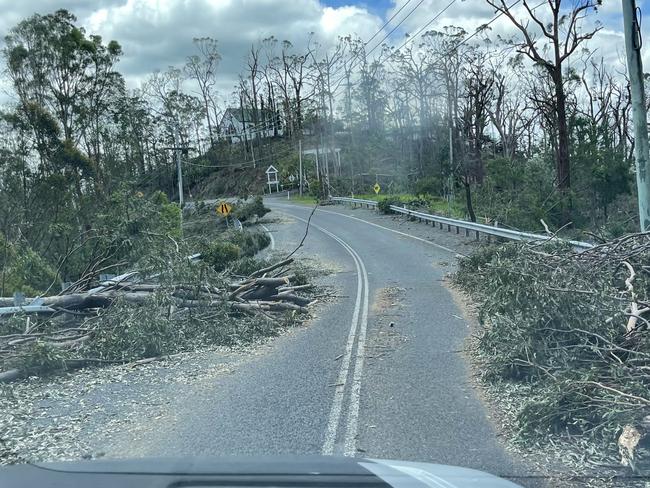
{"x":220,"y":254}
{"x":41,"y":357}
{"x":23,"y":269}
{"x":247,"y":210}
{"x":249,"y":242}
{"x":430,"y":185}
{"x":248,"y":265}
{"x":556,"y":321}
{"x":384,"y":205}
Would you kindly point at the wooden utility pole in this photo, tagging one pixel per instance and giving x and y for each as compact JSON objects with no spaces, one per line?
{"x":632,"y":32}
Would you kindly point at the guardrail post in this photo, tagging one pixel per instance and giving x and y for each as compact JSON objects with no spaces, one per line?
{"x":466,"y":232}
{"x":457,"y":230}
{"x":448,"y":227}
{"x":477,"y":236}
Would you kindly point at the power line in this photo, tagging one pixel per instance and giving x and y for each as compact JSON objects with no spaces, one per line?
{"x":245,"y":164}
{"x":387,"y":22}
{"x":365,"y":44}
{"x":413,"y":36}
{"x":395,"y":28}
{"x":464,"y":41}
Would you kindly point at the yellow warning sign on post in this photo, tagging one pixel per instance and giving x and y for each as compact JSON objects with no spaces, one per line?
{"x":377,"y":188}
{"x":224,"y":208}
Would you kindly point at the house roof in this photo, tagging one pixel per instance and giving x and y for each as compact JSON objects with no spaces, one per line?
{"x":249,"y":114}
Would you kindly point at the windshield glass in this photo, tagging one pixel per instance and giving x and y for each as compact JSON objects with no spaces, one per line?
{"x":406,"y":230}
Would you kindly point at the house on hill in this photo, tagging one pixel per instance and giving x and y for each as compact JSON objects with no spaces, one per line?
{"x":238,"y":124}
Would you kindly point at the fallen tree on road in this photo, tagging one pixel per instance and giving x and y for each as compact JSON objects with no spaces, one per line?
{"x":131,"y":317}
{"x":573,"y":330}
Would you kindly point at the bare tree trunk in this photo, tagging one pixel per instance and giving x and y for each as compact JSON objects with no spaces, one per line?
{"x":563,"y":168}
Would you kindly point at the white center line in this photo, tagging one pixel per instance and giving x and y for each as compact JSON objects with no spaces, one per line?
{"x":350,"y":448}
{"x":334,"y":420}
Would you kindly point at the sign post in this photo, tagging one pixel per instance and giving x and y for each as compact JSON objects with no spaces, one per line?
{"x":224,"y":209}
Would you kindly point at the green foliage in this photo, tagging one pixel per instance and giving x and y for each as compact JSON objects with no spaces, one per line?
{"x":519,"y":193}
{"x":249,"y":242}
{"x":130,"y":223}
{"x":129,"y":333}
{"x":247,"y":210}
{"x":231,"y":246}
{"x":556,"y":320}
{"x":42,"y":357}
{"x":221,"y":254}
{"x":384,"y":204}
{"x":248,"y":265}
{"x":23,"y":270}
{"x":430,"y":185}
{"x":601,"y":167}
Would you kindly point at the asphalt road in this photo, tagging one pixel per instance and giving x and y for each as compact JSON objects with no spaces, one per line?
{"x":379,"y":373}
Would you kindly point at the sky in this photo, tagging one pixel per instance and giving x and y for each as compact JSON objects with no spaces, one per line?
{"x":156,"y":34}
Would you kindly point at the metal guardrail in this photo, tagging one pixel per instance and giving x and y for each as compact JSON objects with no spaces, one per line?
{"x":463,"y":224}
{"x":355,"y":201}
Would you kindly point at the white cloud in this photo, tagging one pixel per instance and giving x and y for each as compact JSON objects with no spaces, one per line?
{"x":155,"y":34}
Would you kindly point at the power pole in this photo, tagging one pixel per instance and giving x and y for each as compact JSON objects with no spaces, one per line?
{"x":300,"y":162}
{"x":178,"y":165}
{"x":632,"y":32}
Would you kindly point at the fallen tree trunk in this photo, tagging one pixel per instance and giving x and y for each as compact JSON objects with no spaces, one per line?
{"x":79,"y":301}
{"x":263,"y":271}
{"x":267,"y":306}
{"x":290,"y":298}
{"x":10,"y":375}
{"x":262,"y":292}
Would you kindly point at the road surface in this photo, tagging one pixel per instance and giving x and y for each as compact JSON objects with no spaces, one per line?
{"x":378,"y":373}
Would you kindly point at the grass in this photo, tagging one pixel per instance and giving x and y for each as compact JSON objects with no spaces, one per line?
{"x":306,"y":199}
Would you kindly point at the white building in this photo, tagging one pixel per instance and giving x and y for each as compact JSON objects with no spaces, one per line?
{"x":238,"y":124}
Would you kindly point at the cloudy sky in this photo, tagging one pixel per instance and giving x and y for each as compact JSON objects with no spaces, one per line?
{"x":156,"y":34}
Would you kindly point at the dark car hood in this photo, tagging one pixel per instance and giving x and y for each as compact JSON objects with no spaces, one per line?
{"x":245,"y":472}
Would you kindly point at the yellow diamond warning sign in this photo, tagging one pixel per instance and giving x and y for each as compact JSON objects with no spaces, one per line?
{"x":377,"y":188}
{"x":224,"y":208}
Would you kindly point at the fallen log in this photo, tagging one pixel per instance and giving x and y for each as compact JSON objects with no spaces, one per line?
{"x":274,"y":282}
{"x":290,"y":298}
{"x":241,"y":288}
{"x":267,"y":306}
{"x":263,"y":271}
{"x":79,"y":301}
{"x":262,"y":292}
{"x":282,"y":289}
{"x":280,"y":306}
{"x":10,"y":375}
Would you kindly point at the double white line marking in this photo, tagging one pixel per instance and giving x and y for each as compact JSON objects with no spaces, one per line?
{"x":357,"y":334}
